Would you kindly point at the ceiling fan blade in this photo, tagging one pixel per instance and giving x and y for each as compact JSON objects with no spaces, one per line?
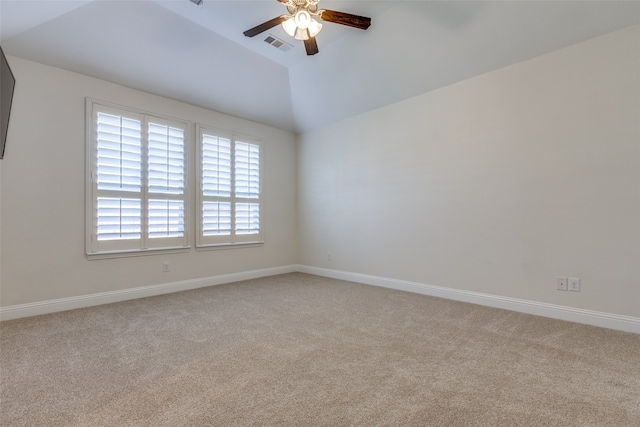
{"x":265,"y":26}
{"x":311,"y":46}
{"x":355,"y":21}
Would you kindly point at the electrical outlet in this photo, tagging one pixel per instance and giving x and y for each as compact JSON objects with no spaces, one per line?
{"x":328,"y":256}
{"x":562,"y":284}
{"x":574,"y":284}
{"x":165,"y":267}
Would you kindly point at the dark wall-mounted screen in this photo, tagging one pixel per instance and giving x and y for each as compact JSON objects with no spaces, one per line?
{"x":7,"y":84}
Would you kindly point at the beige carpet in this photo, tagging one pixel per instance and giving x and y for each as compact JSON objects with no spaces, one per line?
{"x":300,"y":350}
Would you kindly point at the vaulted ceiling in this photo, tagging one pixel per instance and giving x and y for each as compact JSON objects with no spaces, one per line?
{"x":198,"y":54}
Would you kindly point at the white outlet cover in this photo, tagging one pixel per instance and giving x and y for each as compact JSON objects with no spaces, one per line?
{"x":574,"y":284}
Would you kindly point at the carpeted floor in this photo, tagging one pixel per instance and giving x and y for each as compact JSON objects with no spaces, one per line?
{"x":301,"y":350}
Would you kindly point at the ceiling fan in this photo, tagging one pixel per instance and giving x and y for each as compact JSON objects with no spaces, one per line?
{"x":301,"y":24}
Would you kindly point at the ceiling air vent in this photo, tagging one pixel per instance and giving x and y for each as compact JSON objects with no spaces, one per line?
{"x":277,"y":43}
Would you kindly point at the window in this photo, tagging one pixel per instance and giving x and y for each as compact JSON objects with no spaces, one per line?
{"x":136,"y":190}
{"x":229,"y":196}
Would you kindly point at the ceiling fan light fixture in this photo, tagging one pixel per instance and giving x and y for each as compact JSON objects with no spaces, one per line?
{"x":301,"y":34}
{"x":301,"y":22}
{"x":303,"y":19}
{"x":314,"y":27}
{"x":301,"y":26}
{"x":290,"y":27}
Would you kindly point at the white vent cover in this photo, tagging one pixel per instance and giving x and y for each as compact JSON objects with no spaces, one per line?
{"x":277,"y":43}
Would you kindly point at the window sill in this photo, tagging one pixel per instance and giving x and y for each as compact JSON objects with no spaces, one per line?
{"x":137,"y":252}
{"x":219,"y":246}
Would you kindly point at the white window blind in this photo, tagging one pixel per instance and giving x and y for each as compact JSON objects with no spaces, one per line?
{"x":247,"y":188}
{"x":230,"y":188}
{"x":118,"y":218}
{"x":119,"y":175}
{"x":166,"y":181}
{"x":216,"y":185}
{"x":136,"y":181}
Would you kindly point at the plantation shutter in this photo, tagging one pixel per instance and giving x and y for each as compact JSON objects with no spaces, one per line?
{"x":118,"y":178}
{"x":247,"y":188}
{"x":216,"y":186}
{"x":137,"y":181}
{"x":166,"y":181}
{"x":229,"y":196}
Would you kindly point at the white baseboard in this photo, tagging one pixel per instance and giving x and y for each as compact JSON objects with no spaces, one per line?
{"x":71,"y":303}
{"x":589,"y":317}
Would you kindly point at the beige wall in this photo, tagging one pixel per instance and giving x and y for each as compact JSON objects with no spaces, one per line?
{"x":42,"y":190}
{"x":497,"y":184}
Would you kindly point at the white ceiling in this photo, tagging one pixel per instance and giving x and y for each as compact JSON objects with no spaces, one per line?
{"x":198,"y":54}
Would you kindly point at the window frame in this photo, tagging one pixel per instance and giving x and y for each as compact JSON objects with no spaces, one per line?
{"x":233,"y":239}
{"x":145,"y":245}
